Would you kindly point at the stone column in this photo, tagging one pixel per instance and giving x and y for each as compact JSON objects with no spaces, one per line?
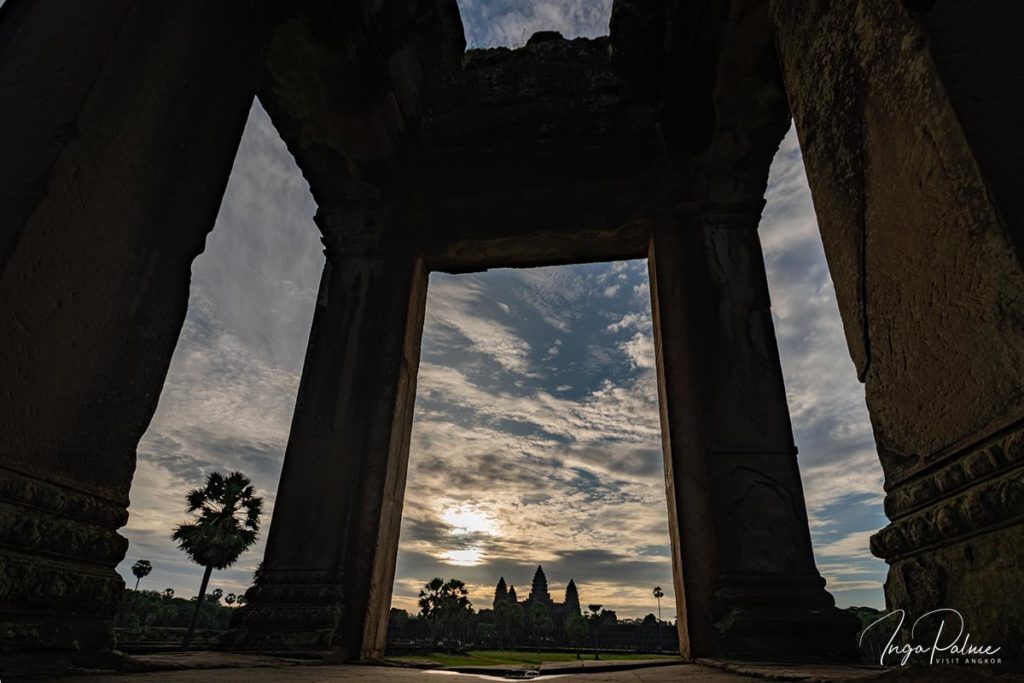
{"x":909,"y":122}
{"x":325,"y":582}
{"x":119,"y":127}
{"x":746,"y":582}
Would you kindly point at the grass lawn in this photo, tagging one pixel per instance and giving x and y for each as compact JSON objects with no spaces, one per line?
{"x":517,"y":658}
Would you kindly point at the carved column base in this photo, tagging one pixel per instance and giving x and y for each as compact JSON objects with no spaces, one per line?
{"x":792,"y":618}
{"x":58,"y":587}
{"x":289,"y":610}
{"x":786,"y":634}
{"x":956,"y":541}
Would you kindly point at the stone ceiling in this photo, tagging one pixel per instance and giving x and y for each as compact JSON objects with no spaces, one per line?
{"x":558,"y":151}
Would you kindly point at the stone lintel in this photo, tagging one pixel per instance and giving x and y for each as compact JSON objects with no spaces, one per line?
{"x":525,"y":232}
{"x":541,"y":249}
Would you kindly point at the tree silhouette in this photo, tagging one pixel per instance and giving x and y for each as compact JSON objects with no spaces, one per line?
{"x":541,"y":624}
{"x":508,"y":619}
{"x":659,"y":594}
{"x":226,"y":523}
{"x":168,"y":594}
{"x":594,"y":617}
{"x":141,"y":569}
{"x":215,"y":595}
{"x":230,"y":599}
{"x":576,"y":631}
{"x":445,"y":605}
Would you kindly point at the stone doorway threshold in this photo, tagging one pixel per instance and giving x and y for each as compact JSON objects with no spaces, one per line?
{"x":222,"y":667}
{"x":546,"y":671}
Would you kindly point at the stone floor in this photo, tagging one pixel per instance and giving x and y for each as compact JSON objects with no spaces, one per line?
{"x":379,"y":674}
{"x":229,"y":668}
{"x":376,"y":674}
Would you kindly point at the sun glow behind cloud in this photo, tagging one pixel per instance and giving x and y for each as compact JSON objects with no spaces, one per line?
{"x":467,"y":522}
{"x":466,"y":519}
{"x":463,"y":558}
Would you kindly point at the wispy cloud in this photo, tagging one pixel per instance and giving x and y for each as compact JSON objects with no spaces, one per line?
{"x":510,"y":23}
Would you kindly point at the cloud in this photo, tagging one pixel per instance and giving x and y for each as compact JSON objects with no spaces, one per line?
{"x":463,"y":314}
{"x":510,"y":23}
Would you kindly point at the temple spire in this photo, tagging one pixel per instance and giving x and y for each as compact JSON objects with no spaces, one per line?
{"x":539,"y":589}
{"x":512,"y":599}
{"x":572,"y":598}
{"x":500,"y":593}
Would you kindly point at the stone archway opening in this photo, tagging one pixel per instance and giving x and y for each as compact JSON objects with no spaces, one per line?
{"x":229,"y":395}
{"x":838,"y":458}
{"x":537,"y":441}
{"x":737,"y":521}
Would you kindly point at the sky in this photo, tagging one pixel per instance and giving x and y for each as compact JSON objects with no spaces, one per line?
{"x":536,"y":436}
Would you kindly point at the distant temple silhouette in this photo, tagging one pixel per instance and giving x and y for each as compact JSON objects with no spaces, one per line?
{"x":539,"y":594}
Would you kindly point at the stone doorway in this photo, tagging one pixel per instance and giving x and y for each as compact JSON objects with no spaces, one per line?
{"x":229,"y":395}
{"x":537,"y":440}
{"x":741,"y":547}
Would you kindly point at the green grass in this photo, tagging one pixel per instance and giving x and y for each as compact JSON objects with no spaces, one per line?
{"x":517,"y":658}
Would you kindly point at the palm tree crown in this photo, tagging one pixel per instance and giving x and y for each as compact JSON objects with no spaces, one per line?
{"x":226,"y":523}
{"x":142,"y":568}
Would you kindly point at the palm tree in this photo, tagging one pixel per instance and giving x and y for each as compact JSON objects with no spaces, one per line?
{"x":446,"y":604}
{"x":226,"y":523}
{"x":141,"y":569}
{"x":659,"y":594}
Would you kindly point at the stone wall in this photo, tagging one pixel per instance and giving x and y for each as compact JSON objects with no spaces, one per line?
{"x":920,"y":244}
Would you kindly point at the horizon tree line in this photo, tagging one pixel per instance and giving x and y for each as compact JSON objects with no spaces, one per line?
{"x":446,"y":609}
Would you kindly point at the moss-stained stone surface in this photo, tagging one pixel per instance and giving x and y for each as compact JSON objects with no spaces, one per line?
{"x":922,"y":250}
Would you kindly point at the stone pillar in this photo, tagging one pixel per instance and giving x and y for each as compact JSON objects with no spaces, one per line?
{"x":746,"y":582}
{"x":912,"y":149}
{"x":119,"y":126}
{"x":325,"y":582}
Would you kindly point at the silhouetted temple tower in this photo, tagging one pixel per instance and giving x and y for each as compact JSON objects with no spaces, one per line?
{"x":500,"y":593}
{"x":539,"y":589}
{"x":512,"y":598}
{"x":572,"y":599}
